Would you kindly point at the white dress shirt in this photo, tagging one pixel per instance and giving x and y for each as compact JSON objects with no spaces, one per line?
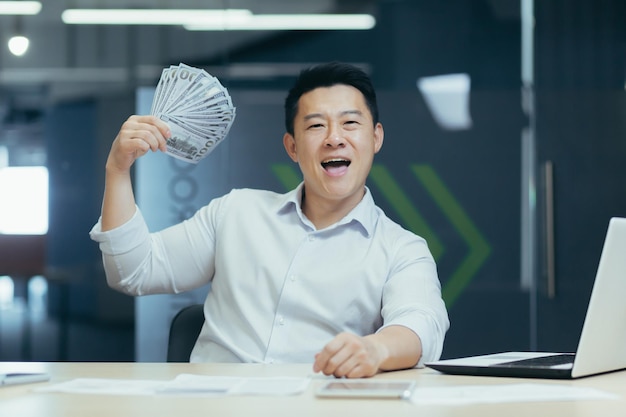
{"x":280,"y":289}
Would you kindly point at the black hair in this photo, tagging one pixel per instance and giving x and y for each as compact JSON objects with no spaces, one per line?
{"x":328,"y":75}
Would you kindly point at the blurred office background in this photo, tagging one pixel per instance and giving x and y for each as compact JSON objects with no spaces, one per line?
{"x":505,"y":147}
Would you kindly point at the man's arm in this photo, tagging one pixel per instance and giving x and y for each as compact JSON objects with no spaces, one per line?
{"x":352,"y":356}
{"x":137,"y":136}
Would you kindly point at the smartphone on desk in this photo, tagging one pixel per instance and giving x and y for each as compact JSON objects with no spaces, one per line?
{"x":15,"y":378}
{"x":358,"y":388}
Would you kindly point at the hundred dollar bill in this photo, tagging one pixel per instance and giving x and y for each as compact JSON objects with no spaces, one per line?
{"x":186,"y":145}
{"x":184,"y":81}
{"x":203,"y":85}
{"x":202,"y":131}
{"x":177,"y":81}
{"x":166,"y":81}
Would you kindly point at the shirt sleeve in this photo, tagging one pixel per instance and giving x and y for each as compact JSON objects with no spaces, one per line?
{"x":123,"y":238}
{"x":412,"y":297}
{"x":176,"y":259}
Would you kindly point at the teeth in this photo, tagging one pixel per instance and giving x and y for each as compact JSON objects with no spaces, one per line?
{"x":334,"y":160}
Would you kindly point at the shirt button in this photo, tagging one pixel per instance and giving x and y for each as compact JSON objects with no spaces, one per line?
{"x":292,"y":278}
{"x":311,"y":238}
{"x":281,"y":320}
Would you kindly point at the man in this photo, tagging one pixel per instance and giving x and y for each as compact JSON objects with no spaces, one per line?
{"x":319,"y":274}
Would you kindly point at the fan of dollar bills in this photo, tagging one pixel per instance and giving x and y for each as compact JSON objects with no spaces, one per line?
{"x":197,"y":108}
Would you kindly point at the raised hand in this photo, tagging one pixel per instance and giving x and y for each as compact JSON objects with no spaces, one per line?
{"x":137,"y":136}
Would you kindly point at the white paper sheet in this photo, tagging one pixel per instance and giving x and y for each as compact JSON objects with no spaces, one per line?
{"x":106,"y":386}
{"x":199,"y":384}
{"x":476,"y":394}
{"x":183,"y":384}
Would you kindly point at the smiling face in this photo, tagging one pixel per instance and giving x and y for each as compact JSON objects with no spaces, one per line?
{"x":334,"y":143}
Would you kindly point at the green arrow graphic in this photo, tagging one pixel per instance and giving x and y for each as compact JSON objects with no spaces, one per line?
{"x":478,"y":247}
{"x":401,"y":203}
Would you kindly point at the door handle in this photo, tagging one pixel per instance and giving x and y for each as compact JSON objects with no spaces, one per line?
{"x":549,"y":254}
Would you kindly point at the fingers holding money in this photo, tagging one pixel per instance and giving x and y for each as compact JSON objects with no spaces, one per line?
{"x":137,"y":136}
{"x":146,"y":132}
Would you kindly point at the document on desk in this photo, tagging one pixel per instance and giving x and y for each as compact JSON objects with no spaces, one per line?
{"x":201,"y":384}
{"x":184,"y":384}
{"x":505,"y":393}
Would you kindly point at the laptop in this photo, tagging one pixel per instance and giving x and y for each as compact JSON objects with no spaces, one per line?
{"x":602,"y":344}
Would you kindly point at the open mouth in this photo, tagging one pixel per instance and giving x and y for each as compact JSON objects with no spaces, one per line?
{"x":335,"y":164}
{"x":336,"y":167}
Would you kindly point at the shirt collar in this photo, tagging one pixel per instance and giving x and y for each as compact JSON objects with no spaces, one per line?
{"x":364,"y":214}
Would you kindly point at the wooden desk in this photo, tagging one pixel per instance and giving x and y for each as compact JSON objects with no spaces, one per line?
{"x":21,"y":401}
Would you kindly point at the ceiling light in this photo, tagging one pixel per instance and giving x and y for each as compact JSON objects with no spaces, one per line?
{"x":20,"y":7}
{"x":152,"y":16}
{"x":18,"y":45}
{"x":218,"y":19}
{"x":292,"y":22}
